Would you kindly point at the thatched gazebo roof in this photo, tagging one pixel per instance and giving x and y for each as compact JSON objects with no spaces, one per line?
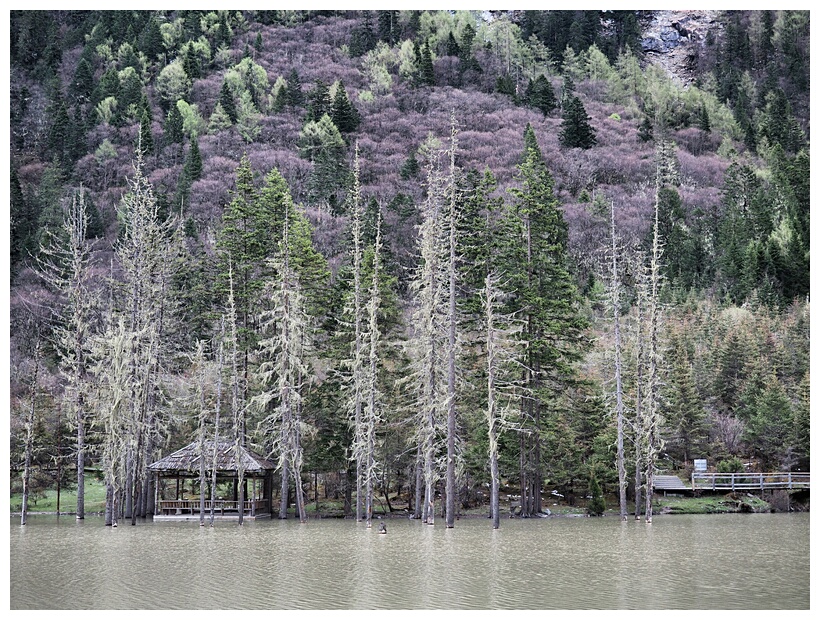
{"x":187,"y":459}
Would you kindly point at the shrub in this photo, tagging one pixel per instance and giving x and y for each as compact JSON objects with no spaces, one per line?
{"x":597,"y":505}
{"x":730,"y":465}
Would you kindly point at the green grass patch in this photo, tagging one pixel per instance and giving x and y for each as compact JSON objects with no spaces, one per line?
{"x":47,"y":501}
{"x":712,"y":504}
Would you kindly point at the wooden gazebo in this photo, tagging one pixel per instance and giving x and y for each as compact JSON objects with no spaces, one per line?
{"x":176,"y":483}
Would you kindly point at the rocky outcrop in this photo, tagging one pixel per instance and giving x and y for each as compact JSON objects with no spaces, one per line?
{"x":672,"y":40}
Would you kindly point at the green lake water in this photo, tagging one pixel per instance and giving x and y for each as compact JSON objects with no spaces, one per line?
{"x":736,"y":561}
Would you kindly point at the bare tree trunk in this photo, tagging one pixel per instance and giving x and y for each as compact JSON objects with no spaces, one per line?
{"x":491,"y":399}
{"x":639,"y":433}
{"x":417,"y":508}
{"x":109,"y":504}
{"x":358,"y":362}
{"x":217,"y":409}
{"x":283,"y":500}
{"x":199,"y":360}
{"x":296,"y":438}
{"x":619,"y":403}
{"x":80,"y":459}
{"x":29,"y":427}
{"x":348,"y":490}
{"x":450,"y":487}
{"x":653,"y":382}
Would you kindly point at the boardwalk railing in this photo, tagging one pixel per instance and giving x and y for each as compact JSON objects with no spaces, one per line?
{"x":191,"y":506}
{"x":742,"y":480}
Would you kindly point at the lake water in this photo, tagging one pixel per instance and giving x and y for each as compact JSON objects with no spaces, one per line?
{"x":749,"y":561}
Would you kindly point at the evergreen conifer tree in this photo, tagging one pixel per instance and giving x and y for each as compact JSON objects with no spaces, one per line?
{"x":146,"y":138}
{"x":452,"y":45}
{"x":219,"y":120}
{"x":173,"y":129}
{"x":227,"y":102}
{"x":427,"y":75}
{"x":320,"y":102}
{"x":389,"y":26}
{"x":576,"y":132}
{"x":344,"y":114}
{"x":548,"y":300}
{"x":296,"y":97}
{"x":541,"y":95}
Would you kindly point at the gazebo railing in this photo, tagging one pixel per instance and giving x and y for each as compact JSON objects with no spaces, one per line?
{"x":221,"y":506}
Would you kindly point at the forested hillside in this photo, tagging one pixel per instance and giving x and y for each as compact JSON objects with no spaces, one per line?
{"x":413,"y":255}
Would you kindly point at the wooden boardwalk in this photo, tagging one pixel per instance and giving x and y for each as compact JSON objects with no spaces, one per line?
{"x":738,"y":481}
{"x":743,"y":481}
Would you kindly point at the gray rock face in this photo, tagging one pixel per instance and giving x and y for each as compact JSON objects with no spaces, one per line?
{"x":673,"y":38}
{"x":664,"y":40}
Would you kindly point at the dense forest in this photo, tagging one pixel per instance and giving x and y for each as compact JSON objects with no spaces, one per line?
{"x":420,"y":256}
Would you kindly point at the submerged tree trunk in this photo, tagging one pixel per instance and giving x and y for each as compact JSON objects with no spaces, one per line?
{"x":217,"y":409}
{"x":283,"y":500}
{"x":639,"y":434}
{"x":619,"y":403}
{"x":450,"y":480}
{"x":653,"y":440}
{"x":417,"y":508}
{"x":29,"y":428}
{"x":492,"y":416}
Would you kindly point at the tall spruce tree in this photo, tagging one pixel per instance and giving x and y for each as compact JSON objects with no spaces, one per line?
{"x":576,"y":132}
{"x":549,"y":302}
{"x":343,"y":113}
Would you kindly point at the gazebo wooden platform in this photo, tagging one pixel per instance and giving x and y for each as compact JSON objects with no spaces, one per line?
{"x":176,"y":483}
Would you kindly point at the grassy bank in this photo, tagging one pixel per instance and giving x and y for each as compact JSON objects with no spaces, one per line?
{"x":715,"y":504}
{"x":47,"y":501}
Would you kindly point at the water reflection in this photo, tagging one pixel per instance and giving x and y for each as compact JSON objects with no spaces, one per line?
{"x":677,"y":562}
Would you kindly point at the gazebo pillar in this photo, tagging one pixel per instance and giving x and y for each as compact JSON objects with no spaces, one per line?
{"x":156,"y":493}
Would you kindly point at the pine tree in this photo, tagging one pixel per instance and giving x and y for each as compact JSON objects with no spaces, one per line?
{"x":576,"y":132}
{"x":323,"y":145}
{"x":23,"y":223}
{"x":60,"y":132}
{"x":146,"y":143}
{"x":151,"y":40}
{"x":548,"y":300}
{"x":82,"y":84}
{"x":452,"y":45}
{"x":343,"y":113}
{"x":685,"y":415}
{"x":427,"y":75}
{"x":244,"y":242}
{"x":296,"y":97}
{"x":466,"y":60}
{"x":597,"y":505}
{"x":193,"y":163}
{"x":541,"y":95}
{"x":319,"y":102}
{"x":173,"y":129}
{"x":226,"y":100}
{"x":362,"y":39}
{"x":389,"y":26}
{"x":219,"y":120}
{"x":190,"y":62}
